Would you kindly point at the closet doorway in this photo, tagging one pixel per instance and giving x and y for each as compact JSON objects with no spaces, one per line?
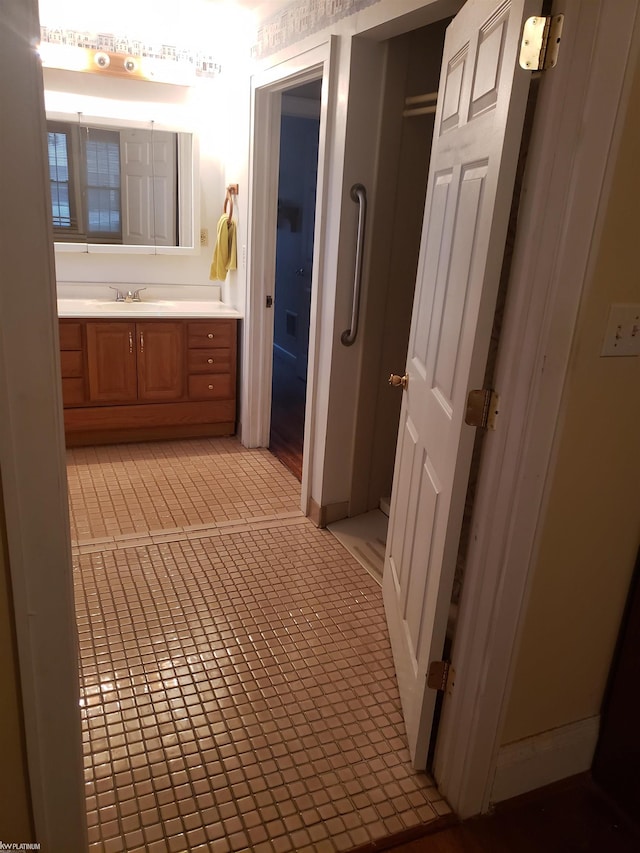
{"x":413,"y":62}
{"x":297,"y":179}
{"x":408,"y":111}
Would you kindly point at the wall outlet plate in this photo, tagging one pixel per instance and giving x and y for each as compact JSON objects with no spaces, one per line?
{"x":622,"y":337}
{"x":204,"y":236}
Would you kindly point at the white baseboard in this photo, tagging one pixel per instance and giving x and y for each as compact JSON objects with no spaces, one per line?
{"x":545,"y":758}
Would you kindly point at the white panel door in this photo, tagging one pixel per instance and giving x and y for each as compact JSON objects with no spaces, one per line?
{"x":478,"y":126}
{"x":149,"y":187}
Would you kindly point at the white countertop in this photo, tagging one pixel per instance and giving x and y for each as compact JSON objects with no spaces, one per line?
{"x":110,"y":309}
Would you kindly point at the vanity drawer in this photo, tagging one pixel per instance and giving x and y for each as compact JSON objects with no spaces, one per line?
{"x":70,"y":336}
{"x":209,"y":386}
{"x":206,"y":361}
{"x":71,"y":363}
{"x":214,"y":333}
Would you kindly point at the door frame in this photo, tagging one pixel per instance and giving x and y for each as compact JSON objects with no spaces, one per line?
{"x":575,"y":137}
{"x":32,"y":457}
{"x":264,"y":153}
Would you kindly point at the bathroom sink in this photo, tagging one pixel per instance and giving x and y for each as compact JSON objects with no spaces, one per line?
{"x":145,"y":308}
{"x":111,"y":304}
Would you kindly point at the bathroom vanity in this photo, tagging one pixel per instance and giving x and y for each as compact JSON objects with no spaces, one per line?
{"x":144,"y":371}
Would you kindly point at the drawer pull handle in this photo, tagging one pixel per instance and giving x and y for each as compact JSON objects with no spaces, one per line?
{"x":209,"y":361}
{"x":210,"y":387}
{"x":130,"y":342}
{"x":210,"y":335}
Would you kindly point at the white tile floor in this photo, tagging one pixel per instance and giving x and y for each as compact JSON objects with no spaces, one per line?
{"x":237,"y":685}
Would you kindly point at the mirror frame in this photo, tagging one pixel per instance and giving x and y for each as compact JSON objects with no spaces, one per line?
{"x":188,"y":195}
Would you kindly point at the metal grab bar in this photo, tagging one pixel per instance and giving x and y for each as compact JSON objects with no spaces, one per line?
{"x":359,"y":195}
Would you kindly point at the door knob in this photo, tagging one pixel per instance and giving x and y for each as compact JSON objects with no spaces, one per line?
{"x":395,"y":380}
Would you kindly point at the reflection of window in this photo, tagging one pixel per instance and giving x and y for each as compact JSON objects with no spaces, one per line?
{"x":59,"y":175}
{"x":102,"y":162}
{"x":113,"y":186}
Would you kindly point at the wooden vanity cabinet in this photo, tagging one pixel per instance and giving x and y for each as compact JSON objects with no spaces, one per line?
{"x":130,"y":362}
{"x":111,"y":362}
{"x":211,"y":352}
{"x":72,"y":363}
{"x":131,"y":381}
{"x":161,"y":361}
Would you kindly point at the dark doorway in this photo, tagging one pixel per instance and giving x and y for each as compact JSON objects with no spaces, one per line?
{"x":299,"y":130}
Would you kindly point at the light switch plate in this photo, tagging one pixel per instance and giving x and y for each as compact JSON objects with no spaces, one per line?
{"x":622,"y":336}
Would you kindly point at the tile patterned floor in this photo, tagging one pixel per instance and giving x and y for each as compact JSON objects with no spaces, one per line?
{"x":238,"y":691}
{"x":137,"y":488}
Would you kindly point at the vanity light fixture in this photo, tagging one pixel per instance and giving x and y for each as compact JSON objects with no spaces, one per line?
{"x":64,"y":56}
{"x":109,"y":64}
{"x":102,"y":59}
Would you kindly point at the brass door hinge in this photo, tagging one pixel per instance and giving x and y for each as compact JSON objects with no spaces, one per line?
{"x":441,"y":676}
{"x":482,"y":408}
{"x":541,"y":42}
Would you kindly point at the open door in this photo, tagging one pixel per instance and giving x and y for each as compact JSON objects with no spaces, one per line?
{"x":478,"y":126}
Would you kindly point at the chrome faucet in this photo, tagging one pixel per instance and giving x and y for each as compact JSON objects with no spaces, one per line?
{"x":129,"y":296}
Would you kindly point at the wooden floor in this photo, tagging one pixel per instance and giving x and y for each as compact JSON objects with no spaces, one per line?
{"x":570,"y":817}
{"x":287,"y":415}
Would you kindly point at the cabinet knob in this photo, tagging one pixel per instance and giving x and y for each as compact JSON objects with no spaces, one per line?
{"x":210,"y":387}
{"x":209,"y":361}
{"x":210,"y":335}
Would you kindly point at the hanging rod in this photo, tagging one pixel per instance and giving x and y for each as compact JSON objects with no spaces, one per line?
{"x":419,"y":111}
{"x":420,"y":99}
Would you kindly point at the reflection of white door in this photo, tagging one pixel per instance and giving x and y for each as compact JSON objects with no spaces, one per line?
{"x":477,"y":132}
{"x":149,"y":181}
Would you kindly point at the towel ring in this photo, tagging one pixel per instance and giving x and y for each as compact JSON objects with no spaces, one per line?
{"x":232,"y":190}
{"x":228,"y":201}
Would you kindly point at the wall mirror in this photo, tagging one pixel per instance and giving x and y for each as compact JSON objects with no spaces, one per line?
{"x":120,"y":189}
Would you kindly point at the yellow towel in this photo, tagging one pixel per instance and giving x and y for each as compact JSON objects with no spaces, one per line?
{"x":225,"y":252}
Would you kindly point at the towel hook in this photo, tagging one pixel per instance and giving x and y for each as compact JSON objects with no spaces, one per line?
{"x":232,"y":190}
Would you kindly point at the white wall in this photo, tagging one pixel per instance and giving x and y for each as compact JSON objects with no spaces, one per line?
{"x":211,"y":109}
{"x":591,"y":529}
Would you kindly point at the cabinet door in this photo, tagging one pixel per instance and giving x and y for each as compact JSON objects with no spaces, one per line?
{"x":161,"y":361}
{"x":111,"y":357}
